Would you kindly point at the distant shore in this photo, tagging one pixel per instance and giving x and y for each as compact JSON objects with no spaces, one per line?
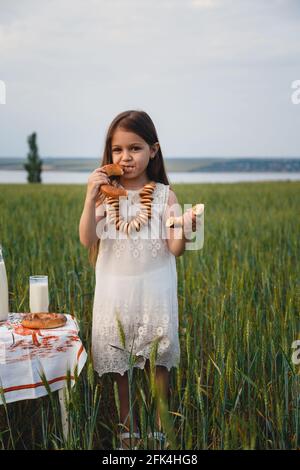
{"x":192,"y":165}
{"x":192,"y":177}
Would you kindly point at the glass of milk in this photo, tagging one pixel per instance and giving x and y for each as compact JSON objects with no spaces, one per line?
{"x":38,"y":294}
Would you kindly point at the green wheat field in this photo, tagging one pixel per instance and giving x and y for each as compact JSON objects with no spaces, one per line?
{"x":239,"y":304}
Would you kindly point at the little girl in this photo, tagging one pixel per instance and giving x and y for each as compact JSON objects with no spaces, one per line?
{"x":136,"y":278}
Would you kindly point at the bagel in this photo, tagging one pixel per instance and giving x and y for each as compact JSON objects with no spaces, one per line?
{"x":112,"y":191}
{"x":113,"y":169}
{"x":41,"y":320}
{"x":174,"y":222}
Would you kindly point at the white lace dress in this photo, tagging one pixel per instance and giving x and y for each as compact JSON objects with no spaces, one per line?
{"x":136,"y":283}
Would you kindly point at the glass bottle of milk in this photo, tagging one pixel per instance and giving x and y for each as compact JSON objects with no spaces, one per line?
{"x":3,"y":289}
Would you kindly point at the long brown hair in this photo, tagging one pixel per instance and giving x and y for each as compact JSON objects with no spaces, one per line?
{"x":141,"y":124}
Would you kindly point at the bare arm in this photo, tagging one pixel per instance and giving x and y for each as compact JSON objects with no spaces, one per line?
{"x":88,"y":224}
{"x":176,"y":239}
{"x":89,"y":219}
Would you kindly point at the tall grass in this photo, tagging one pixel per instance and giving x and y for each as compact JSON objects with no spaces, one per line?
{"x":239,"y":303}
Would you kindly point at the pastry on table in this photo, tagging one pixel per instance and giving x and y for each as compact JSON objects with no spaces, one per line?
{"x":41,"y":320}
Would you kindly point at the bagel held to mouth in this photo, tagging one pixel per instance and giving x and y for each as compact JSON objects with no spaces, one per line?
{"x":41,"y":320}
{"x":113,"y":169}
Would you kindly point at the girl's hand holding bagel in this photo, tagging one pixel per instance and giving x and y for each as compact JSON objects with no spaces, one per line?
{"x":109,"y":190}
{"x":96,"y":179}
{"x":188,"y":218}
{"x":99,"y":181}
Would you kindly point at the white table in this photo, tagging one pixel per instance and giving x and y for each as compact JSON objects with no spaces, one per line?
{"x":25,"y":353}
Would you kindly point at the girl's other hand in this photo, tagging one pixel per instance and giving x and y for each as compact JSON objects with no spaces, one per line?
{"x":190,"y":218}
{"x":95,"y":181}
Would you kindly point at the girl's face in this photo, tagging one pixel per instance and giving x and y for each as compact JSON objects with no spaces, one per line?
{"x":132,"y":153}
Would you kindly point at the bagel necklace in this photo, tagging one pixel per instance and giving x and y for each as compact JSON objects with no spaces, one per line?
{"x":138,"y":221}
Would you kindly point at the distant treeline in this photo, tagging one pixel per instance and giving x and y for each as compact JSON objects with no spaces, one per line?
{"x":172,"y":164}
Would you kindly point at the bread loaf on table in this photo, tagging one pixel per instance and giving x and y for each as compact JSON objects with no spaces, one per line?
{"x":42,"y":320}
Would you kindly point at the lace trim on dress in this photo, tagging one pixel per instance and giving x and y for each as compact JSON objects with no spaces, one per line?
{"x":140,"y":332}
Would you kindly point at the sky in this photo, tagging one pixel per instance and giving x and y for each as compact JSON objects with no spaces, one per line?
{"x":215,"y":76}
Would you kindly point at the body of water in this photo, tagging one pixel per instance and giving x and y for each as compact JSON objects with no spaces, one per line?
{"x":73,"y":177}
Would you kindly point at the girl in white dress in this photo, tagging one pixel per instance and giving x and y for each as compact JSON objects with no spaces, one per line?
{"x":136,"y":278}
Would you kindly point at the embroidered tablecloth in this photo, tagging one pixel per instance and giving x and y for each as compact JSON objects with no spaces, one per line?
{"x":25,"y":353}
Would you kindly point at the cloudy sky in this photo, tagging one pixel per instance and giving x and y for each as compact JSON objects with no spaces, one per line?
{"x":214,"y":75}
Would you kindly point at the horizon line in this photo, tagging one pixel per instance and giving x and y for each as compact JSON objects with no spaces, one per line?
{"x":165,"y":158}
